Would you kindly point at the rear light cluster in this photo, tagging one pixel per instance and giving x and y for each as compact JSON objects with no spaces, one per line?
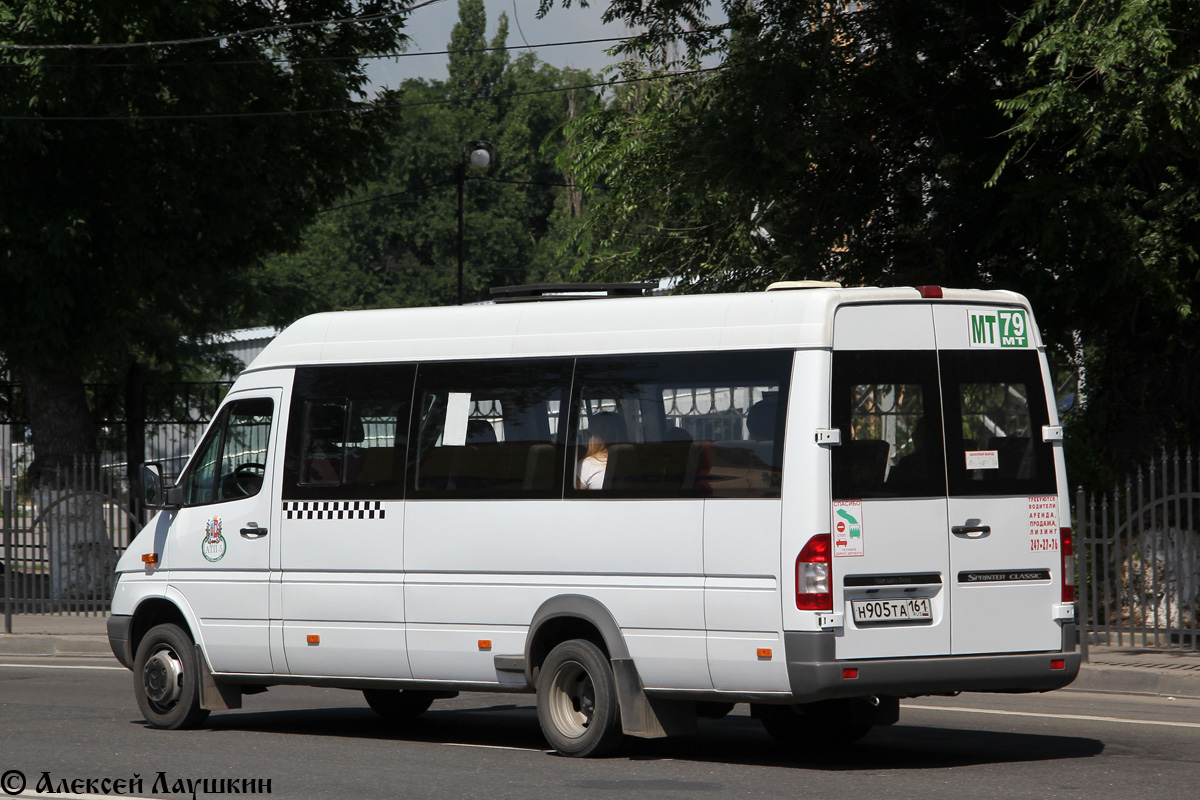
{"x":1067,"y":550}
{"x":814,"y":579}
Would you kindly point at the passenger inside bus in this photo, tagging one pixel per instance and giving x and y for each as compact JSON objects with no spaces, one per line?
{"x":604,"y":429}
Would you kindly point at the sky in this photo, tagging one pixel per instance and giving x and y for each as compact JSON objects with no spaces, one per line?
{"x":429,"y":29}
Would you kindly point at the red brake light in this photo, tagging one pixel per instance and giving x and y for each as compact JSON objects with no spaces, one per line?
{"x":813,"y":575}
{"x":1066,"y":549}
{"x":930,"y":292}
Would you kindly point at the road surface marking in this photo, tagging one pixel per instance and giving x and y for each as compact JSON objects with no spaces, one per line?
{"x":62,"y":666}
{"x":496,"y":747}
{"x":1081,"y":717}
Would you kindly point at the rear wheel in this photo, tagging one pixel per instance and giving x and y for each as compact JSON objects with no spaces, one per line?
{"x":166,"y":673}
{"x":823,"y":724}
{"x":577,"y":700}
{"x":396,"y":705}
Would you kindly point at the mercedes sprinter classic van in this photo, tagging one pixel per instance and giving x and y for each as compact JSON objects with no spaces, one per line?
{"x":815,"y":500}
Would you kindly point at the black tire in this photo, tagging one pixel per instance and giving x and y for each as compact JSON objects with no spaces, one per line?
{"x":166,"y":679}
{"x":577,"y":701}
{"x":395,"y":705}
{"x":824,"y":724}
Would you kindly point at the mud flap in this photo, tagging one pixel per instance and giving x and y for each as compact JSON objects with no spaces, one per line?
{"x":216,"y":696}
{"x":645,"y":717}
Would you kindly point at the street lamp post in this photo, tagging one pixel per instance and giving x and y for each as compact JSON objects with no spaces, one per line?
{"x":479,"y":154}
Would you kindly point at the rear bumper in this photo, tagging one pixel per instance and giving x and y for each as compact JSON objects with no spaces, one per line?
{"x":814,"y":674}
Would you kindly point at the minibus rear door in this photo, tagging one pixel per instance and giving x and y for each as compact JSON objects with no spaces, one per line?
{"x":1005,"y":577}
{"x":888,"y":520}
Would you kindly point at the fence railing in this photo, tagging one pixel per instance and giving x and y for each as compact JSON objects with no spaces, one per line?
{"x":1138,"y":558}
{"x":62,"y":539}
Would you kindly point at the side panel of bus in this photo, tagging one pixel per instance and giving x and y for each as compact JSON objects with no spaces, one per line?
{"x":341,"y":525}
{"x":428,"y":510}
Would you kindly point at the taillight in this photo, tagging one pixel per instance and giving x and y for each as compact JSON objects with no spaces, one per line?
{"x":930,"y":292}
{"x":813,"y":575}
{"x":1067,"y":550}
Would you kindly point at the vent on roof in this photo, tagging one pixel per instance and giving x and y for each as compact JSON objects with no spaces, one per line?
{"x":784,"y":286}
{"x":570,"y":291}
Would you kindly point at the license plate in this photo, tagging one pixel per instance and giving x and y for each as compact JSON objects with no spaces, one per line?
{"x":891,"y":612}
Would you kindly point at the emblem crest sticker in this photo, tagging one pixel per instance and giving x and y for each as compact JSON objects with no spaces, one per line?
{"x":213,"y":544}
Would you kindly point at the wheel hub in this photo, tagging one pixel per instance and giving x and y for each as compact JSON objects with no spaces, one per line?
{"x":163,"y":678}
{"x":574,"y":702}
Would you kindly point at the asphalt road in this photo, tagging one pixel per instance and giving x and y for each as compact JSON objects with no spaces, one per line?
{"x":77,"y":720}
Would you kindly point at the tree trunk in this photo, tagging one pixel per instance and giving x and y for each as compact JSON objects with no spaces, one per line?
{"x":64,"y":482}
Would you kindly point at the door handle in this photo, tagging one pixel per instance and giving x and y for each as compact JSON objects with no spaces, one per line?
{"x":252,"y":531}
{"x":973,"y":529}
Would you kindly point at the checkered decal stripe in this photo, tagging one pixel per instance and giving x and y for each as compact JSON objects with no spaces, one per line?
{"x":342,"y":509}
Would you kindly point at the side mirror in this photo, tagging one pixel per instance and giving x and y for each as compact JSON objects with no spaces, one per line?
{"x":155,"y":494}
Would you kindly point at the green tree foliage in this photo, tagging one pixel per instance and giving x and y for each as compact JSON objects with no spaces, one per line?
{"x":864,"y":142}
{"x":1109,"y":126}
{"x":833,"y":141}
{"x":393,"y":242}
{"x":139,"y":185}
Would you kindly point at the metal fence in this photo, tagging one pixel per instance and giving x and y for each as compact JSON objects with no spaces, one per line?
{"x":62,"y":541}
{"x":63,"y":536}
{"x":1138,"y":558}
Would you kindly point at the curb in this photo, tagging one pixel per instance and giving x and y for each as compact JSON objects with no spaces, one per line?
{"x":20,"y":644}
{"x":1153,"y":680}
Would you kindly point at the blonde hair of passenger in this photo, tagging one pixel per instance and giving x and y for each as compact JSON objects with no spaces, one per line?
{"x":597,"y":448}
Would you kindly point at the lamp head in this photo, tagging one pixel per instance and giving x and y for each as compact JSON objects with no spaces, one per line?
{"x":480,"y":158}
{"x":479,"y":153}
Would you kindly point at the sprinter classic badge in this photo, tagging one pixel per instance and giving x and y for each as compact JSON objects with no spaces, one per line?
{"x":213,"y":546}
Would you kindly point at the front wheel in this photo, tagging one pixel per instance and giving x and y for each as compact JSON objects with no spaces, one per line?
{"x":577,"y":700}
{"x":166,"y":673}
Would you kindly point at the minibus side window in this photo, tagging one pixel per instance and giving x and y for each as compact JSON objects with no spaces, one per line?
{"x":489,"y":429}
{"x":322,"y":458}
{"x":231,"y":462}
{"x":995,"y":410}
{"x":679,"y":425}
{"x":348,"y":433}
{"x":887,"y":407}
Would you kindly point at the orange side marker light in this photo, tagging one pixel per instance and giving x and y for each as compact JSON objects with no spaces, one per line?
{"x":314,"y":638}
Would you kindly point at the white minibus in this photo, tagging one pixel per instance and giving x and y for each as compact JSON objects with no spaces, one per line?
{"x":816,"y":500}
